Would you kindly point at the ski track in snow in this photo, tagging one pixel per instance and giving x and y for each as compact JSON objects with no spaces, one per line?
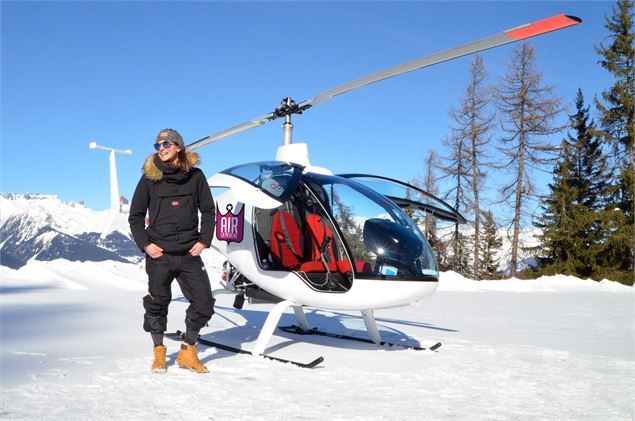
{"x":565,"y":353}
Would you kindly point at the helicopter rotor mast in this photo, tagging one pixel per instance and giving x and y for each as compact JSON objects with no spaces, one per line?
{"x":286,"y":109}
{"x":289,"y":107}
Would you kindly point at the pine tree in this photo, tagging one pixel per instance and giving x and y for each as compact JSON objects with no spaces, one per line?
{"x":589,"y":178}
{"x":528,"y":111}
{"x":559,"y":230}
{"x":490,"y":247}
{"x":463,"y":258}
{"x":590,"y":168}
{"x":617,"y":111}
{"x":571,"y":235}
{"x":617,"y":128}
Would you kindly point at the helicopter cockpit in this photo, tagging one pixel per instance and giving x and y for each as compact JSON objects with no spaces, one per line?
{"x":331,"y":229}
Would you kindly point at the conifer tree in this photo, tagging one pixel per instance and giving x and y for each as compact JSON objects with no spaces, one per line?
{"x":616,"y":109}
{"x":558,"y":222}
{"x":463,"y":258}
{"x":590,"y":177}
{"x":571,"y":235}
{"x":528,"y":110}
{"x":490,"y":248}
{"x":590,"y":170}
{"x":617,"y":123}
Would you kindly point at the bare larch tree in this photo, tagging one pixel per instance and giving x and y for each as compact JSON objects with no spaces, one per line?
{"x":473,"y":125}
{"x":528,"y":111}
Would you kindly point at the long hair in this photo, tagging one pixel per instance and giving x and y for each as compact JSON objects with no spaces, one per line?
{"x":184,"y":163}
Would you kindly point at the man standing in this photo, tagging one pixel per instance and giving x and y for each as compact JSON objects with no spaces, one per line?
{"x":172,"y":192}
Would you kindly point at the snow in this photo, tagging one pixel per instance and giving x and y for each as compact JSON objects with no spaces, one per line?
{"x":74,"y":275}
{"x":452,"y":281}
{"x":72,"y":348}
{"x":68,"y":217}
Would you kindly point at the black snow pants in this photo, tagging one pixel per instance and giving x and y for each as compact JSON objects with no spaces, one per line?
{"x":189,"y":272}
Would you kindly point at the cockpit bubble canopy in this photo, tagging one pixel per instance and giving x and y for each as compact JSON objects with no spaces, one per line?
{"x":381,"y":239}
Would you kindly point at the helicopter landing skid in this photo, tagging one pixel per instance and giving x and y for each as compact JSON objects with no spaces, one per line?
{"x":314,"y":331}
{"x":177,"y":336}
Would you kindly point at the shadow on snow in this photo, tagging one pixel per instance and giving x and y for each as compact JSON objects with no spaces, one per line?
{"x":333,"y":322}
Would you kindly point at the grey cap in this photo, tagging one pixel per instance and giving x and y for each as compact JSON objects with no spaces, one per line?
{"x":171,"y":135}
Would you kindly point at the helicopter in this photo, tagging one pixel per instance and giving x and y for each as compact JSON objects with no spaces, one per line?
{"x":299,"y":236}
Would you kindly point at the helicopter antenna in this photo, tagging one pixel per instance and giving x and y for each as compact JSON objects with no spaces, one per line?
{"x":289,"y":107}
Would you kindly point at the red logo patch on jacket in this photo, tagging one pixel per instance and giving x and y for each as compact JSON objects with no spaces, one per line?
{"x":175,"y":203}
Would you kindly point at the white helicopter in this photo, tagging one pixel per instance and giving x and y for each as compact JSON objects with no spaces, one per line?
{"x":299,"y":236}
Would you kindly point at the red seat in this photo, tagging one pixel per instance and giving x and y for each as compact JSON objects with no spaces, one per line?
{"x":288,"y":252}
{"x":282,"y":244}
{"x":316,"y":232}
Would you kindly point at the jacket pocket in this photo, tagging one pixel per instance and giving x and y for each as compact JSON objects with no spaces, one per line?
{"x":177,"y":211}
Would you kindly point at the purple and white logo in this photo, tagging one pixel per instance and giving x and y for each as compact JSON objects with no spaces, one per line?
{"x":229,"y":227}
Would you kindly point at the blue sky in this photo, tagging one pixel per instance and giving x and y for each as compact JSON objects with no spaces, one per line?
{"x":118,"y":72}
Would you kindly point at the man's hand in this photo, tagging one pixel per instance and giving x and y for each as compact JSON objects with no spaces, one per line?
{"x":197,"y":248}
{"x":153,"y":250}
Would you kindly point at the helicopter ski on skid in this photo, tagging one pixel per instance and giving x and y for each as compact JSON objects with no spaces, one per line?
{"x":297,"y":235}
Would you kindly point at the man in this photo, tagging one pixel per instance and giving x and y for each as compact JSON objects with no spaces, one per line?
{"x":172,"y":192}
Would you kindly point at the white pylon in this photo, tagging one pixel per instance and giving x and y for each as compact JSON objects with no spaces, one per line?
{"x":114,"y":186}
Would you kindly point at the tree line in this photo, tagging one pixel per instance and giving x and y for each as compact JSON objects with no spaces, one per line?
{"x":585,"y":219}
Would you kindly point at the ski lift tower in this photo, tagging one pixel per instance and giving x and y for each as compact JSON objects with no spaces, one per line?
{"x":114,"y":186}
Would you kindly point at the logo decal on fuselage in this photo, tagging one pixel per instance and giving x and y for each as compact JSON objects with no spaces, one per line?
{"x":229,"y":227}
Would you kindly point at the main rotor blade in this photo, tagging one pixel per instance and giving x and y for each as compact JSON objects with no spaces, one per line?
{"x":232,"y":131}
{"x":511,"y":35}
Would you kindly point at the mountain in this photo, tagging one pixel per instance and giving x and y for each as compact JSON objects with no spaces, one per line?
{"x":527,"y":244}
{"x":43,"y":227}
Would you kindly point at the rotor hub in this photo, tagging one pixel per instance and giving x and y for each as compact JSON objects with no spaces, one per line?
{"x":289,"y":107}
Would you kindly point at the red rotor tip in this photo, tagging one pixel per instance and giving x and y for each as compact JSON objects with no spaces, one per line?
{"x":542,"y":26}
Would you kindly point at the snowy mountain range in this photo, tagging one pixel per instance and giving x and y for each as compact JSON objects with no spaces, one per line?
{"x":44,"y":228}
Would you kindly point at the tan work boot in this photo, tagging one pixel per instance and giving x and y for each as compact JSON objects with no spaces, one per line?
{"x":187,"y":358}
{"x":158,"y":365}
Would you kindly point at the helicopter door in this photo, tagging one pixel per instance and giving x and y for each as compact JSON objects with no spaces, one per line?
{"x":265,"y":185}
{"x":408,"y":196}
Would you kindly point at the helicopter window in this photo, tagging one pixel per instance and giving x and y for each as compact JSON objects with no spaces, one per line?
{"x":383,"y":240}
{"x":298,"y":236}
{"x":277,"y":179}
{"x":408,"y":196}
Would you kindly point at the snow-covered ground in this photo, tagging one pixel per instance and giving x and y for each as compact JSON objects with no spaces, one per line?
{"x":72,"y":348}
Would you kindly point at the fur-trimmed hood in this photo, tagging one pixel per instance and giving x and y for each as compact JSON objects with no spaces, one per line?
{"x":153,"y":173}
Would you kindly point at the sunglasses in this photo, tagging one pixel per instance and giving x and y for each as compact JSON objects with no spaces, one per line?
{"x":165,"y":144}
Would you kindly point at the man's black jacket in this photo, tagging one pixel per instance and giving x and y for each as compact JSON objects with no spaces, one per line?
{"x":172,"y":199}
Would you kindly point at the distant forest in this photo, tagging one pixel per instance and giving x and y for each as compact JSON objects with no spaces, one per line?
{"x":586,"y":216}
